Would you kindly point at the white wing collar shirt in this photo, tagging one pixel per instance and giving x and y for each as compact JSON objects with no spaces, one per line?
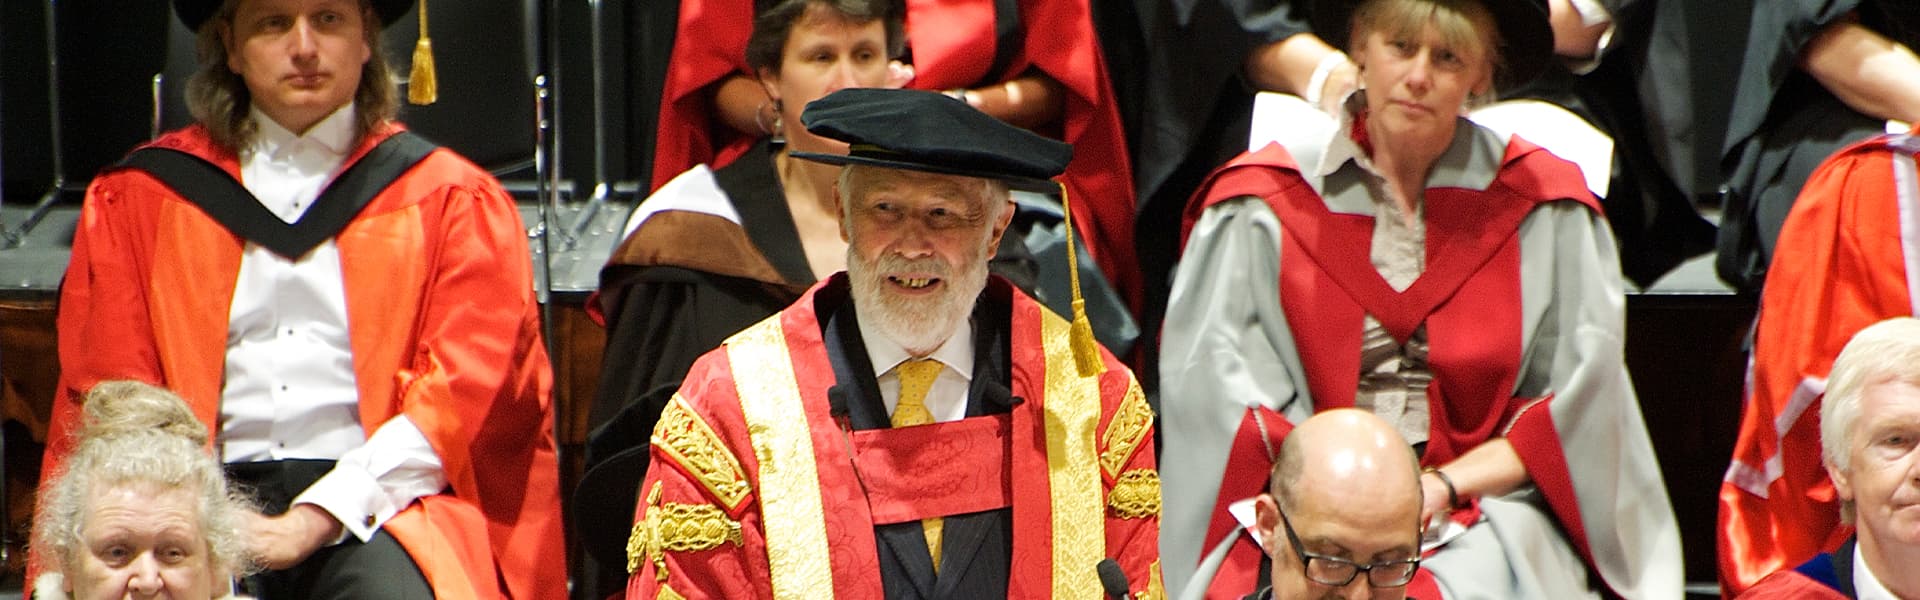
{"x":289,"y":385}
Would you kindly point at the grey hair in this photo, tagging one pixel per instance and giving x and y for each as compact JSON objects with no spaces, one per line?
{"x":1885,"y":352}
{"x":140,"y":434}
{"x":218,"y":97}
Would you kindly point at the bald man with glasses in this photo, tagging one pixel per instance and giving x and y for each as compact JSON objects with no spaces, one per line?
{"x":1341,"y":517}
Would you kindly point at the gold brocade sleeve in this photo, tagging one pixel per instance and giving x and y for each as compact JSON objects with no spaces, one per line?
{"x":691,"y":444}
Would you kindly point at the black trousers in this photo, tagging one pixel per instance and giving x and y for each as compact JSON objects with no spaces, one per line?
{"x":377,"y":568}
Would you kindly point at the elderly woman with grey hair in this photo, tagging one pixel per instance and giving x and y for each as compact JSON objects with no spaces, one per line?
{"x":141,"y":509}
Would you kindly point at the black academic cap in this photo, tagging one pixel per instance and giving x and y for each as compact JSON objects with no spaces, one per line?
{"x":196,"y":12}
{"x":928,"y":131}
{"x":1523,"y":27}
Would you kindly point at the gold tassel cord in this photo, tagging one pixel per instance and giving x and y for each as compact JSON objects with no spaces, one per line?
{"x":1086,"y":351}
{"x":422,"y":86}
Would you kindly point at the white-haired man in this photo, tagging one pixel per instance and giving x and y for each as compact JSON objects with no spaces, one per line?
{"x":913,"y":427}
{"x":1870,"y":442}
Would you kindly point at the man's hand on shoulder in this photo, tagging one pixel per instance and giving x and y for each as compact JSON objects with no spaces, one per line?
{"x":283,"y":541}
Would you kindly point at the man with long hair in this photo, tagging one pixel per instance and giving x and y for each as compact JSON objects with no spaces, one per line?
{"x":347,"y":307}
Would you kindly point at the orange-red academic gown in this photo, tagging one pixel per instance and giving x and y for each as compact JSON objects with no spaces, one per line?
{"x":1849,"y":256}
{"x":443,"y":328}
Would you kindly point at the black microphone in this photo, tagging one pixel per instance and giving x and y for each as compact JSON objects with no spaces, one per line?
{"x":1113,"y":579}
{"x":838,"y":406}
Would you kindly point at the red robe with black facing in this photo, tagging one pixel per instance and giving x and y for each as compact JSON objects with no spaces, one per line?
{"x":444,"y":330}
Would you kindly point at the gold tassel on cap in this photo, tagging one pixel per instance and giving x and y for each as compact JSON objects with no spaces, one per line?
{"x":1086,"y":351}
{"x":422,"y":88}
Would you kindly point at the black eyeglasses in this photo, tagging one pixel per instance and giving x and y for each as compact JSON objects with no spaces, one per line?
{"x":1336,"y":571}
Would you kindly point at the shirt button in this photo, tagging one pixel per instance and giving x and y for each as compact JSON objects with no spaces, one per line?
{"x":369,"y":520}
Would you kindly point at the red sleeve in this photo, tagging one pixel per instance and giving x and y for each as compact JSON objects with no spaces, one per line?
{"x":1838,"y":268}
{"x":662,"y":551}
{"x":103,"y":327}
{"x":476,"y":381}
{"x":1061,"y":43}
{"x":1133,"y":488}
{"x":710,"y":43}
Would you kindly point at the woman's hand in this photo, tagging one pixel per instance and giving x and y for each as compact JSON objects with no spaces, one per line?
{"x":899,"y":74}
{"x":1434,"y":498}
{"x":1342,"y":80}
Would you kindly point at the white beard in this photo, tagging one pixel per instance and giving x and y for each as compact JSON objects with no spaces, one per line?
{"x":919,"y":325}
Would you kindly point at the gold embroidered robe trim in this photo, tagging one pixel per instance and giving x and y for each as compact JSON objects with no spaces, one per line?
{"x":1136,"y":495}
{"x":1079,"y":522}
{"x":692,"y":444}
{"x":1125,"y":431}
{"x":789,"y":484}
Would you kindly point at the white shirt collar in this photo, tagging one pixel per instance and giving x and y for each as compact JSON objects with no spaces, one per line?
{"x":1865,"y":585}
{"x":955,"y":354}
{"x":335,"y":133}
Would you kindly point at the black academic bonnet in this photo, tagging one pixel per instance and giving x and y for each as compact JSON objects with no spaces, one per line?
{"x":196,"y":12}
{"x":927,"y":131}
{"x":1523,"y":26}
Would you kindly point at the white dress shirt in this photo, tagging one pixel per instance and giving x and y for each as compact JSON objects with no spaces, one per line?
{"x":289,"y":388}
{"x":1865,"y":585}
{"x":947,"y":399}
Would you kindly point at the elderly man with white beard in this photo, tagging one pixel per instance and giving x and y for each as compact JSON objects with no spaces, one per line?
{"x":913,"y":427}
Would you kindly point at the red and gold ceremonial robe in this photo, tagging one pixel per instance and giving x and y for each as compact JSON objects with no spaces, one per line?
{"x":444,"y":329}
{"x":753,"y":491}
{"x":954,"y":45}
{"x":1522,"y":304}
{"x":1849,"y":256}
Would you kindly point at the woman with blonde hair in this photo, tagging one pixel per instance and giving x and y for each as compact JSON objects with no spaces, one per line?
{"x":140,"y":507}
{"x":1458,"y":283}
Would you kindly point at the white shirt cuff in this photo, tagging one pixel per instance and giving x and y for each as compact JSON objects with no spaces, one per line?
{"x":372,"y":483}
{"x":1593,"y":13}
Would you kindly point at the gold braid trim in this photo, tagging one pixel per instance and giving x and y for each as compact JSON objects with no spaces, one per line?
{"x":694,"y":527}
{"x":667,"y":593}
{"x":643,"y":543}
{"x":675,"y":527}
{"x":1126,"y":430}
{"x":1136,"y":495}
{"x":687,"y":439}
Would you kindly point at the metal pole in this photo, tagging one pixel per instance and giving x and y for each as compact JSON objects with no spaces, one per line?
{"x":13,"y":239}
{"x":159,"y":80}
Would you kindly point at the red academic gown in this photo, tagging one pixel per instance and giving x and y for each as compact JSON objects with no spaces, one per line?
{"x":1469,"y":290}
{"x":444,"y":329}
{"x":953,"y":46}
{"x":1791,"y":585}
{"x":751,"y":492}
{"x":1849,"y":256}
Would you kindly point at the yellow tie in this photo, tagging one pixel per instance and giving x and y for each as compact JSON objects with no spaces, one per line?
{"x":916,"y":377}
